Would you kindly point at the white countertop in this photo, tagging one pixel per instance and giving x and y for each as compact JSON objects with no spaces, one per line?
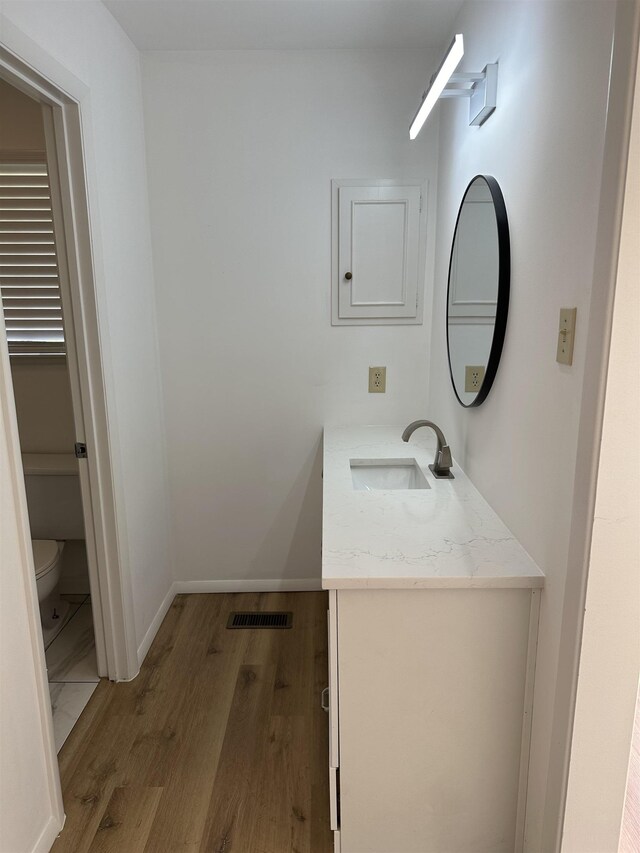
{"x":444,"y":536}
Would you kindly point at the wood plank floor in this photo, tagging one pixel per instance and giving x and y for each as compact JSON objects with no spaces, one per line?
{"x":219,"y":745}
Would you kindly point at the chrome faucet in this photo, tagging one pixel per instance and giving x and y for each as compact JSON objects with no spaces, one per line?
{"x":441,"y":467}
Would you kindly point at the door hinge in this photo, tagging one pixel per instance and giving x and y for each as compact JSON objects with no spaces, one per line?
{"x":420,"y":202}
{"x":80,"y":450}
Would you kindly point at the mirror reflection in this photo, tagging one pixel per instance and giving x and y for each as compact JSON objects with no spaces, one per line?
{"x":478,"y":290}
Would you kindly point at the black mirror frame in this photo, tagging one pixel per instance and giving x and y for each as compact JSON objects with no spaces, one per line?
{"x":504,"y":280}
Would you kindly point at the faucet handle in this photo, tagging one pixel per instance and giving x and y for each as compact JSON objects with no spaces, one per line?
{"x":444,"y":457}
{"x":441,"y":468}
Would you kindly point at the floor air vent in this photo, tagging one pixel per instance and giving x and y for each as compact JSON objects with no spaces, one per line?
{"x":256,"y":619}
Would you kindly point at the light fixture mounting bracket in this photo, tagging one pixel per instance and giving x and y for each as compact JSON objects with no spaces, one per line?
{"x":482,"y":93}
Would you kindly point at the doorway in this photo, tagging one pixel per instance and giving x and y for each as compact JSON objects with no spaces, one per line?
{"x":35,"y":327}
{"x":106,"y":573}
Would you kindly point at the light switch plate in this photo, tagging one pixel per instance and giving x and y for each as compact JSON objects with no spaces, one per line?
{"x":473,"y":377}
{"x":377,"y":380}
{"x":566,"y":335}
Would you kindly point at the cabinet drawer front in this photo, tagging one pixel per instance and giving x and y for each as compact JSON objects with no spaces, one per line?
{"x":334,"y":752}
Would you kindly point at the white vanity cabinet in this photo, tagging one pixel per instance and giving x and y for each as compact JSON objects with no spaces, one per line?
{"x":433,"y":620}
{"x":430,"y":705}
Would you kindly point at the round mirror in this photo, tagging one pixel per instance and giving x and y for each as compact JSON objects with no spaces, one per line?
{"x":478,"y":292}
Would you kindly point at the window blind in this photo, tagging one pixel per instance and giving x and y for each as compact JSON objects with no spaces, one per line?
{"x":29,"y":280}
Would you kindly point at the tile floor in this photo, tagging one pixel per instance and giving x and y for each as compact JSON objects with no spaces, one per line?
{"x":71,"y":667}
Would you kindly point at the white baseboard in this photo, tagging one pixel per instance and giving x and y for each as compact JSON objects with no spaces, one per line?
{"x":49,"y":833}
{"x":269,"y":585}
{"x":153,"y":628}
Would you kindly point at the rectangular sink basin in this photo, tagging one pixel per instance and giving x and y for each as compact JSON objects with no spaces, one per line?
{"x":375,"y":474}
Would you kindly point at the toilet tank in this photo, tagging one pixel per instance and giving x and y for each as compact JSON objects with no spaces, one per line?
{"x":53,"y":495}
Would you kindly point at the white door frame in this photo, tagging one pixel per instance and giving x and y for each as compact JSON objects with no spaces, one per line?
{"x":66,"y":103}
{"x":607,"y":253}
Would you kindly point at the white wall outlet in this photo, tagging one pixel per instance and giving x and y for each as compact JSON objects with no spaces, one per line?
{"x":566,"y":335}
{"x":377,"y":380}
{"x":473,"y":377}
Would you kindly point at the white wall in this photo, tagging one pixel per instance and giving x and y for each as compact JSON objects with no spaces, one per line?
{"x":544,"y":144}
{"x":610,"y":657}
{"x":241,"y":147}
{"x":85,"y":39}
{"x":43,"y":404}
{"x":21,"y":126}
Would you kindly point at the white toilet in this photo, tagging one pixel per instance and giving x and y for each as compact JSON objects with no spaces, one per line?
{"x":46,"y":561}
{"x":55,"y":515}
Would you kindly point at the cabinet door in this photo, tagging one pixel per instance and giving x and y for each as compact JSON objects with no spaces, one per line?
{"x":379,"y":264}
{"x":334,"y":758}
{"x":334,"y":810}
{"x":334,"y":755}
{"x":432,"y":710}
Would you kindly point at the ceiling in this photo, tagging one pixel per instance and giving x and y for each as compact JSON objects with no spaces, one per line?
{"x":284,"y":24}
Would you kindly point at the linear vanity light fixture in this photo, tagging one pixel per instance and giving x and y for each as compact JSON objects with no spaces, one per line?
{"x":481,"y":91}
{"x":438,"y":82}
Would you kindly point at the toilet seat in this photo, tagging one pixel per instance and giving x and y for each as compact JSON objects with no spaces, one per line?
{"x":45,"y":555}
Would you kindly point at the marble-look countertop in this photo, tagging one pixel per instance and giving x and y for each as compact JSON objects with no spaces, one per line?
{"x":444,"y":536}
